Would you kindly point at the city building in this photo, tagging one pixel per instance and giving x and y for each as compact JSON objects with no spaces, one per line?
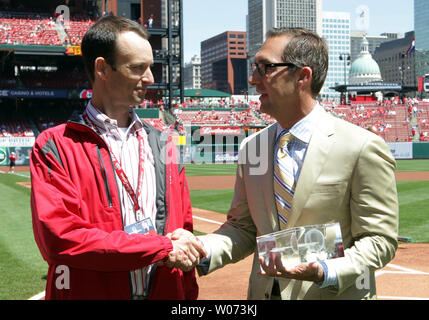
{"x":264,"y":15}
{"x":421,"y":28}
{"x":365,"y":83}
{"x":373,"y":42}
{"x":364,"y":69}
{"x":421,"y":24}
{"x":224,"y":62}
{"x":336,"y":32}
{"x":395,"y":65}
{"x":192,"y":73}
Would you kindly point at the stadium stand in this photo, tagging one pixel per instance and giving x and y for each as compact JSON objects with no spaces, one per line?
{"x":229,"y":117}
{"x":77,"y":27}
{"x":60,"y":79}
{"x":157,"y":123}
{"x":423,"y":121}
{"x":15,"y":128}
{"x":28,"y":29}
{"x":391,"y":121}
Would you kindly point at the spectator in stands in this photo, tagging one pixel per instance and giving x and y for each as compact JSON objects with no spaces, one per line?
{"x":89,"y":192}
{"x":337,"y":172}
{"x":150,"y":21}
{"x":12,"y":159}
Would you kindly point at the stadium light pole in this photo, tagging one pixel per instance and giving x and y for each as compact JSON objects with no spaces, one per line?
{"x":346,"y":58}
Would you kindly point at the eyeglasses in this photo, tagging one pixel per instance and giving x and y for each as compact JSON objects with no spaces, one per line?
{"x":262,"y":67}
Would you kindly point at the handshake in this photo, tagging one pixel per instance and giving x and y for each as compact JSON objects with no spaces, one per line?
{"x":187,"y":250}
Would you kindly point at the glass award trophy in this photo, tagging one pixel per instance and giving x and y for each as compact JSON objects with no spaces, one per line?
{"x":303,"y":244}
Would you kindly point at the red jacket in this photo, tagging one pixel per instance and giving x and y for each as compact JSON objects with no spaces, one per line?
{"x":77,"y":217}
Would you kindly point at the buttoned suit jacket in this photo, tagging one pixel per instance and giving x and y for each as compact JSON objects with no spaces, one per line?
{"x":347,"y":177}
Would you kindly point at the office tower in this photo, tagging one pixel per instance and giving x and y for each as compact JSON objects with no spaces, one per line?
{"x":192,"y":73}
{"x":223,"y":62}
{"x":373,"y":42}
{"x":264,"y":15}
{"x":421,"y":24}
{"x":395,"y":65}
{"x":336,"y":32}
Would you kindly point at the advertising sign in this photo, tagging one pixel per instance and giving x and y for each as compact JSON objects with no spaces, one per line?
{"x":23,"y":155}
{"x":401,"y":150}
{"x":73,"y":51}
{"x":226,"y":157}
{"x":220,"y":131}
{"x":26,"y":93}
{"x":3,"y":156}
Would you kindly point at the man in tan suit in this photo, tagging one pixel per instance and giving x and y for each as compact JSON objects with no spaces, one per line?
{"x":344,"y":174}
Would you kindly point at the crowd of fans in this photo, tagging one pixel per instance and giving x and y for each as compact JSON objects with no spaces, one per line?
{"x":14,"y":128}
{"x":43,"y":28}
{"x":403,"y":121}
{"x":28,"y":29}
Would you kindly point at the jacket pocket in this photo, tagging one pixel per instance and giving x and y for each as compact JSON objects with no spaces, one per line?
{"x":336,"y":187}
{"x":104,"y":175}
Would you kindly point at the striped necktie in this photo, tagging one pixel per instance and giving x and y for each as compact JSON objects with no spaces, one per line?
{"x":284,"y":182}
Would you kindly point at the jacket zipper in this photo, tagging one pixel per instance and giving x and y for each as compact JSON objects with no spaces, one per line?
{"x":110,"y":200}
{"x":104,"y":174}
{"x":168,"y":202}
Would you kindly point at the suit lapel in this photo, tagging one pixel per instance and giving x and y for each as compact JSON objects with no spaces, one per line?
{"x":266,"y":180}
{"x":315,"y":158}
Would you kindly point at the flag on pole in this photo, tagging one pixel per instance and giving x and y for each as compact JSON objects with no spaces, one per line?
{"x":411,"y":48}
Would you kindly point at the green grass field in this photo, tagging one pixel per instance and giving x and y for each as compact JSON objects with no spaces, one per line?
{"x":23,"y":271}
{"x":229,"y":168}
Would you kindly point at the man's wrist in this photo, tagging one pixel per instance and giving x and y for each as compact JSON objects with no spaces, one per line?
{"x":329,"y":275}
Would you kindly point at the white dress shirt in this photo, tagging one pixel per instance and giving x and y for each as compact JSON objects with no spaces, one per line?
{"x":302,"y":132}
{"x":124,"y":144}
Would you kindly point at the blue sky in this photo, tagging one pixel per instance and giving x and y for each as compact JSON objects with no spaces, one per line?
{"x":206,"y":18}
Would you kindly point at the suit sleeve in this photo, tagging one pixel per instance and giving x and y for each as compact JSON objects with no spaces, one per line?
{"x":64,"y":237}
{"x":374,"y":214}
{"x":236,"y":238}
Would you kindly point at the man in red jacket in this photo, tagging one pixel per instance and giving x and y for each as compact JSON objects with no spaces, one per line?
{"x":107,"y":189}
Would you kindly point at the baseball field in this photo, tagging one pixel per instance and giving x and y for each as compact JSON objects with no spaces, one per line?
{"x":23,"y":271}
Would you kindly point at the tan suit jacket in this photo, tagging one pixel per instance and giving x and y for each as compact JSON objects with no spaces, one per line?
{"x":347,"y":177}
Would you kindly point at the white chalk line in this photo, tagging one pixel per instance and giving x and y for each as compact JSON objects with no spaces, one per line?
{"x":38,"y":296}
{"x":208,"y":220}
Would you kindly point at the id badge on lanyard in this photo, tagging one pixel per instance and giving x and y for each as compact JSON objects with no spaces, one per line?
{"x":123,"y":177}
{"x":144,"y":226}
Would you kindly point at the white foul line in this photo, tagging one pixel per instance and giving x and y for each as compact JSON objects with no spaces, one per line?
{"x":406,"y":269}
{"x":208,"y":220}
{"x":38,"y":296}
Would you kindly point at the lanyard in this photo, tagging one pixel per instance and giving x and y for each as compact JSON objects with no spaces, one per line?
{"x":121,"y":173}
